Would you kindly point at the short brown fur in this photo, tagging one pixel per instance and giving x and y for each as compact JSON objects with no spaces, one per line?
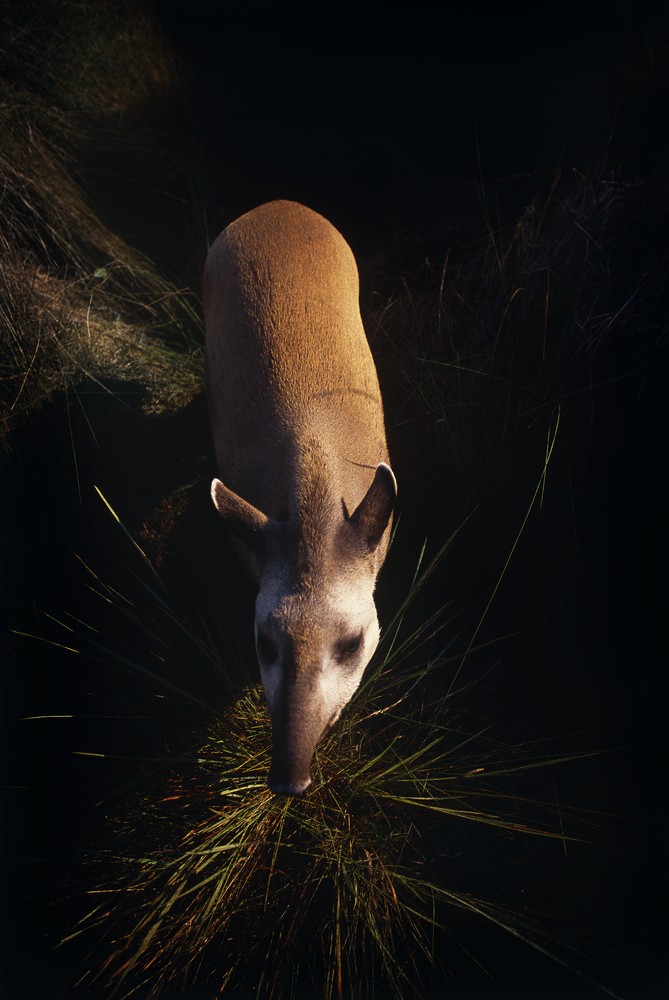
{"x":302,"y":410}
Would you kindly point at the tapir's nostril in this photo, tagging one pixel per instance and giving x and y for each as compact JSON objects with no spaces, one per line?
{"x":287,"y":787}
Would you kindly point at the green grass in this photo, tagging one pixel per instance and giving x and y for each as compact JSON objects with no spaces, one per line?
{"x":206,"y":880}
{"x":341,"y":886}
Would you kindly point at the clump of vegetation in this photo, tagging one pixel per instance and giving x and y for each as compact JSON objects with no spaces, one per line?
{"x":215,"y":883}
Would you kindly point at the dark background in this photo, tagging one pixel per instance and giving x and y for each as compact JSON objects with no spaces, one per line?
{"x":391,"y":123}
{"x":375,"y":116}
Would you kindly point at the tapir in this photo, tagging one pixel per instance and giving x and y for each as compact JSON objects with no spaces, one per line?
{"x":305,"y":481}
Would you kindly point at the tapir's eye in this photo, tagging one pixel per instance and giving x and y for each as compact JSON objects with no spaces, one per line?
{"x":266,"y":647}
{"x":347,"y":648}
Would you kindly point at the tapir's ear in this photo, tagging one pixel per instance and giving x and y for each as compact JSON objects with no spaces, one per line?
{"x":371,"y":516}
{"x":245,"y":519}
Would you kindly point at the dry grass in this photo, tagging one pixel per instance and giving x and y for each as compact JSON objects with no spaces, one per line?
{"x":481,"y":348}
{"x":77,"y":300}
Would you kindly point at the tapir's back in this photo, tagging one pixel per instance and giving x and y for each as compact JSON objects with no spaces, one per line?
{"x":287,"y":356}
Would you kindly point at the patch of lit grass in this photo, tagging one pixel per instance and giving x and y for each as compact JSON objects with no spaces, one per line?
{"x":214,"y":879}
{"x":214,"y":882}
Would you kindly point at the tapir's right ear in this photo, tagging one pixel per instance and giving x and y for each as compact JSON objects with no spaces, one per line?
{"x":244,"y":519}
{"x":371,"y":516}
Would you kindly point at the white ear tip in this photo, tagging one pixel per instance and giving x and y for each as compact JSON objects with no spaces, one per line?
{"x":216,"y":484}
{"x":386,"y":467}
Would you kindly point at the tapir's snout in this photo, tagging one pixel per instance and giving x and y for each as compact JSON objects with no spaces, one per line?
{"x":297,"y":728}
{"x":289,"y":773}
{"x":282,"y":784}
{"x":288,"y":777}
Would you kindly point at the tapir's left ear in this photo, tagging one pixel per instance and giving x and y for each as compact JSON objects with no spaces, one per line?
{"x":245,"y":519}
{"x":371,"y":516}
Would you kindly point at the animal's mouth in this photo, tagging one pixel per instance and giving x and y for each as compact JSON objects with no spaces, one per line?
{"x":279,"y":787}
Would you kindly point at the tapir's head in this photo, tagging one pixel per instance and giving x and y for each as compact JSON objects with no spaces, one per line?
{"x":316,"y":625}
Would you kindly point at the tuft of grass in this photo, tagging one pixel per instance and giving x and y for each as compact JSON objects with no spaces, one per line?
{"x":215,"y":884}
{"x":214,"y":881}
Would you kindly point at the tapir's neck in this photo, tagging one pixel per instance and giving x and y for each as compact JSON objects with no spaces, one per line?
{"x":317,"y":507}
